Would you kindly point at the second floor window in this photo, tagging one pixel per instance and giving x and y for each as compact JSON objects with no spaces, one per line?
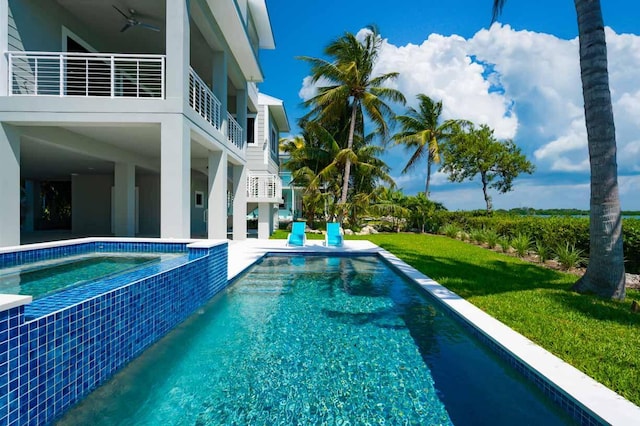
{"x":251,"y":137}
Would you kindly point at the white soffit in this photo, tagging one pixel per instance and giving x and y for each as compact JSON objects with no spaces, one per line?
{"x":231,"y":24}
{"x":263,"y":23}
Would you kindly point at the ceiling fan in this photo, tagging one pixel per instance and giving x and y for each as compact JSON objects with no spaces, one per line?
{"x":133,"y":21}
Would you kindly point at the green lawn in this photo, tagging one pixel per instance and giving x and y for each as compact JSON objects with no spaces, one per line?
{"x":599,"y":337}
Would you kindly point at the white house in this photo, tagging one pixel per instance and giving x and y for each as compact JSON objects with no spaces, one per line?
{"x":138,"y":112}
{"x":264,"y":186}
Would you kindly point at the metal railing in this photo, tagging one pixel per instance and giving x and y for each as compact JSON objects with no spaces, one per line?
{"x":202,"y":100}
{"x":263,"y":185}
{"x":234,"y":132}
{"x":86,"y":74}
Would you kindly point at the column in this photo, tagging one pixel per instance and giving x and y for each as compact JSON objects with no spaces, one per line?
{"x":4,"y":46}
{"x":29,"y":217}
{"x":177,"y":48}
{"x":219,"y":88}
{"x":264,"y":219}
{"x":9,"y":186}
{"x":124,"y":199}
{"x":217,"y":204}
{"x":239,"y":202}
{"x":175,"y":178}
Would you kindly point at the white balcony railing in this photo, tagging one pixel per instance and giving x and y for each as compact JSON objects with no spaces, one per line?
{"x":263,"y":185}
{"x":234,"y":132}
{"x":86,"y":74}
{"x":203,"y":101}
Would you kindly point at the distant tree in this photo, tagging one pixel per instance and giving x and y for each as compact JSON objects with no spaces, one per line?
{"x":421,"y":209}
{"x":421,"y":131}
{"x":478,"y":152}
{"x":352,"y":87}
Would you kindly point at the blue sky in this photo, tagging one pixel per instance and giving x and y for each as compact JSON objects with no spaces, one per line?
{"x":447,"y":50}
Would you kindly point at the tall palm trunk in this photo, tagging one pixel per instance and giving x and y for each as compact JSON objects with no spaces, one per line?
{"x":605,"y":273}
{"x":428,"y":181}
{"x":347,"y":164}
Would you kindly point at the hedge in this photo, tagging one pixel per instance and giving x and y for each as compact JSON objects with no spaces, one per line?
{"x":551,"y":231}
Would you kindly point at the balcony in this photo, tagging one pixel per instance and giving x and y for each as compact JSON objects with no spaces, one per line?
{"x":264,"y":187}
{"x":86,"y":74}
{"x":203,"y":101}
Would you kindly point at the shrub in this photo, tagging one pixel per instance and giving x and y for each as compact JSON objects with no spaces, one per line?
{"x":521,"y":243}
{"x":544,"y":252}
{"x":504,"y":244}
{"x":491,"y":237}
{"x":477,"y":235}
{"x":569,"y":257}
{"x":450,"y":230}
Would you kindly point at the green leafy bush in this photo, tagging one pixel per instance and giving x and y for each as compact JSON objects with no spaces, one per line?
{"x":491,"y":237}
{"x":450,"y":230}
{"x":504,"y":244}
{"x":569,"y":257}
{"x":543,"y":251}
{"x":477,"y":235}
{"x":521,"y":243}
{"x":551,"y":231}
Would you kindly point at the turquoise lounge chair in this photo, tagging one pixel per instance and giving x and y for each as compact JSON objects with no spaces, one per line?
{"x":297,"y":236}
{"x":333,"y":238}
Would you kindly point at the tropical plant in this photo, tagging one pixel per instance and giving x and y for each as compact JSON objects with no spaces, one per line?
{"x":605,"y":273}
{"x":543,"y":251}
{"x":421,"y":210}
{"x":491,"y":237}
{"x":568,"y":256}
{"x":421,"y":131}
{"x":504,"y":243}
{"x":477,"y":152}
{"x":521,"y":243}
{"x":477,"y":235}
{"x":350,"y":86}
{"x":450,"y":230}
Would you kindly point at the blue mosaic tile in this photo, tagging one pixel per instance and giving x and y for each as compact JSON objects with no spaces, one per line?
{"x":61,"y":347}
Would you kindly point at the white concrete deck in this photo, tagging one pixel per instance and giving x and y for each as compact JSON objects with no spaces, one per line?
{"x":600,"y":400}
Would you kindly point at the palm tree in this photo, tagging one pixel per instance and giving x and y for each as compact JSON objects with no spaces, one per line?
{"x":421,"y":131}
{"x":605,"y":272}
{"x":352,"y":87}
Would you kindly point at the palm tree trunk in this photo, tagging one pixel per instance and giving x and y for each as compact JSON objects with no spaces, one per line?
{"x":605,"y":272}
{"x":429,"y":161}
{"x":347,"y":164}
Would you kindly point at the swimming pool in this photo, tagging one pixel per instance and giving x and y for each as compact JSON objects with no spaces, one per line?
{"x":319,"y":339}
{"x":42,"y":278}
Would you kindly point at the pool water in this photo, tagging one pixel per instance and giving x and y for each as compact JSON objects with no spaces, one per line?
{"x":47,"y":277}
{"x":318,"y":340}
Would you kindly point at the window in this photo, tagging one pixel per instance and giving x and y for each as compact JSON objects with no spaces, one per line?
{"x":199,"y":199}
{"x":251,"y":129}
{"x":274,"y":141}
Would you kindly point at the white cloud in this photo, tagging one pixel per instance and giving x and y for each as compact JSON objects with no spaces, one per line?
{"x":526,"y":85}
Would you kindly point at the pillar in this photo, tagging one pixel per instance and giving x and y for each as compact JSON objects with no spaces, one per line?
{"x":175,"y":178}
{"x":29,"y":217}
{"x":239,"y":202}
{"x":4,"y":47}
{"x":219,"y":88}
{"x":264,"y":219}
{"x":9,"y":185}
{"x":124,"y":199}
{"x":177,"y":49}
{"x":217,"y":197}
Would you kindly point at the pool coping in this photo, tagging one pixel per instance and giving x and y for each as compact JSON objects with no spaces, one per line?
{"x":588,"y":394}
